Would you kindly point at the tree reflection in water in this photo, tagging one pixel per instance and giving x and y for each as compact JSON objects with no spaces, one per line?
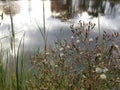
{"x":69,"y":8}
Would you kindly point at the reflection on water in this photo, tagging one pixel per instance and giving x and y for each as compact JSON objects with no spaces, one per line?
{"x":68,"y":8}
{"x":59,"y":14}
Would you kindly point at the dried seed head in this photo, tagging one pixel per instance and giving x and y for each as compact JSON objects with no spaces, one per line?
{"x":105,"y":70}
{"x":47,"y":53}
{"x":71,"y":26}
{"x":93,"y":26}
{"x":98,"y":70}
{"x":72,"y":37}
{"x":68,"y":46}
{"x":91,"y":39}
{"x":56,"y":65}
{"x":103,"y":76}
{"x":90,"y":23}
{"x":116,"y":46}
{"x":98,"y":54}
{"x":61,"y":54}
{"x":61,"y":49}
{"x":78,"y":41}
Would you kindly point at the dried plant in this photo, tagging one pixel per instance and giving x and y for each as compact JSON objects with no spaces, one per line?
{"x":81,"y":63}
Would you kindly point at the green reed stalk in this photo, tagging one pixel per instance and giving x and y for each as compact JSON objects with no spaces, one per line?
{"x":3,"y":70}
{"x":6,"y":69}
{"x":14,"y":49}
{"x":45,"y":41}
{"x":99,"y":23}
{"x":19,"y":76}
{"x":22,"y":65}
{"x":13,"y":46}
{"x":12,"y":34}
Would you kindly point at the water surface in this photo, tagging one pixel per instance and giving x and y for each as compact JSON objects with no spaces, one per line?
{"x":59,"y":15}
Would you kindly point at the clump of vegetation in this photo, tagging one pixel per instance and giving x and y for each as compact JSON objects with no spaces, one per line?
{"x":81,"y":63}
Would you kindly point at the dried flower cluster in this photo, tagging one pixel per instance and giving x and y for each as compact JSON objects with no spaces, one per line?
{"x":76,"y":65}
{"x":11,"y":8}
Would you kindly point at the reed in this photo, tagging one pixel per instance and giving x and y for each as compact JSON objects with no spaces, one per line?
{"x":20,"y":66}
{"x":44,"y":28}
{"x":99,"y":23}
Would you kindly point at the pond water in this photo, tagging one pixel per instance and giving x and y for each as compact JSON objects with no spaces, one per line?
{"x":58,"y":15}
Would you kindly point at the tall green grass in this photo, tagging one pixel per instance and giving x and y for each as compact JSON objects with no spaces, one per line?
{"x":12,"y":74}
{"x":3,"y":73}
{"x":20,"y":66}
{"x":19,"y":59}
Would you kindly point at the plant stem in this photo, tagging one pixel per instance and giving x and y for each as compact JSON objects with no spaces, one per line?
{"x":99,"y":23}
{"x":45,"y":42}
